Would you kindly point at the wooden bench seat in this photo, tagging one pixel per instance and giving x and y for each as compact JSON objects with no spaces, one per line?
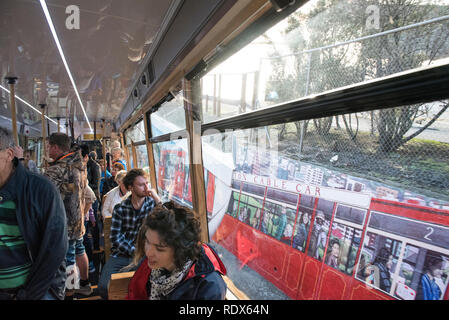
{"x":118,"y":287}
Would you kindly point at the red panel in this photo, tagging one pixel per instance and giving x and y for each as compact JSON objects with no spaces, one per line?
{"x":271,"y":258}
{"x":226,"y":234}
{"x":333,"y":284}
{"x":295,"y":260}
{"x":309,"y":280}
{"x":246,"y":244}
{"x":189,"y":192}
{"x":210,"y":191}
{"x":361,"y":291}
{"x":411,"y":211}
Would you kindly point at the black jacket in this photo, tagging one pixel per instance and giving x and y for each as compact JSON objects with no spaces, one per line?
{"x":42,"y":222}
{"x":94,"y":176}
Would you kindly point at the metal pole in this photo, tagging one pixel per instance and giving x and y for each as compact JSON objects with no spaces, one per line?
{"x":103,"y":145}
{"x":301,"y":138}
{"x":44,"y":149}
{"x":12,"y":99}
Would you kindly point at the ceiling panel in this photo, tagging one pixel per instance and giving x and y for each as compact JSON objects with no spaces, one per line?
{"x":104,"y":54}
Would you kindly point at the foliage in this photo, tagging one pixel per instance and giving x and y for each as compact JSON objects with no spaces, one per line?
{"x":318,"y":66}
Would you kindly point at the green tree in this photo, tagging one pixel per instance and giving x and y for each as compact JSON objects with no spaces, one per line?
{"x":319,"y":66}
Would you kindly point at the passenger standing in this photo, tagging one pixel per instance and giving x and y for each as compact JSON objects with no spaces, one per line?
{"x":333,"y":255}
{"x":89,"y":220}
{"x":428,"y":288}
{"x":93,"y":177}
{"x":127,"y":218}
{"x":104,"y":175}
{"x":67,"y":172}
{"x":118,"y":156}
{"x":94,"y":173}
{"x":33,"y":232}
{"x":380,"y":269}
{"x":29,"y":162}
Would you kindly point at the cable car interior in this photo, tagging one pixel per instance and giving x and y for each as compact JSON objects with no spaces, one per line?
{"x":305,"y":139}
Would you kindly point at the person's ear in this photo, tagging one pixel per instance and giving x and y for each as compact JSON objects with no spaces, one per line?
{"x":10,"y":154}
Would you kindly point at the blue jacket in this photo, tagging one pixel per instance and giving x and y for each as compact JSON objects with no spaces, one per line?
{"x":42,"y":222}
{"x":428,"y":289}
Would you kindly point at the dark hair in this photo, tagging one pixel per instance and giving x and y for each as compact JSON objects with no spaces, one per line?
{"x":6,"y":139}
{"x":60,"y":139}
{"x":93,"y":155}
{"x":84,"y":150}
{"x":335,"y":241}
{"x":433,"y":262}
{"x":383,"y":255}
{"x":177,"y":227}
{"x":132,"y":174}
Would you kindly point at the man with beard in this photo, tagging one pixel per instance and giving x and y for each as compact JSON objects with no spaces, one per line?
{"x":127,"y":218}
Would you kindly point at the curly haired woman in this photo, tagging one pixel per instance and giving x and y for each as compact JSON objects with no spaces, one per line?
{"x":176,"y":265}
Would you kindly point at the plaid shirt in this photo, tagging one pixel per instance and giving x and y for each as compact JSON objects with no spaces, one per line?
{"x":125,"y":225}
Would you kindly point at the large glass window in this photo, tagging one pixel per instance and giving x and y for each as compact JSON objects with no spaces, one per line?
{"x":142,"y":157}
{"x":304,"y":217}
{"x":318,"y":238}
{"x":335,"y":166}
{"x":170,"y":117}
{"x":345,"y":238}
{"x":172,"y":178}
{"x":405,"y":258}
{"x":327,"y":45}
{"x":136,"y":133}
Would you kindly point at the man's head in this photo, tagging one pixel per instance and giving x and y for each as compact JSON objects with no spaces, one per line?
{"x":28,"y":155}
{"x":58,"y":144}
{"x":85,"y":152}
{"x":136,"y":181}
{"x":93,"y":155}
{"x":6,"y":155}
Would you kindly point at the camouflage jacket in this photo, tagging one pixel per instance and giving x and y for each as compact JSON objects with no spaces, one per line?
{"x":69,"y":176}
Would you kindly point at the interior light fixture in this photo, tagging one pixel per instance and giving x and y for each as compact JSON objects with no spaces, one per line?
{"x":61,"y":53}
{"x":29,"y":105}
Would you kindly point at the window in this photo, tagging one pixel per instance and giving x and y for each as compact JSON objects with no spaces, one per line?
{"x":142,"y":157}
{"x":233,"y":204}
{"x":335,"y":164}
{"x":405,"y":258}
{"x":135,"y":134}
{"x":298,"y":57}
{"x":304,"y":217}
{"x":250,"y":210}
{"x":323,"y":215}
{"x":345,"y":238}
{"x":170,"y":117}
{"x":170,"y":162}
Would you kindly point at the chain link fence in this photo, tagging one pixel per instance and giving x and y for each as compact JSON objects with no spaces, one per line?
{"x":405,"y":147}
{"x":376,"y":145}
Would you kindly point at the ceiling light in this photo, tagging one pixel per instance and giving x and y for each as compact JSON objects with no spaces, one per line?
{"x":29,"y":105}
{"x":58,"y":45}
